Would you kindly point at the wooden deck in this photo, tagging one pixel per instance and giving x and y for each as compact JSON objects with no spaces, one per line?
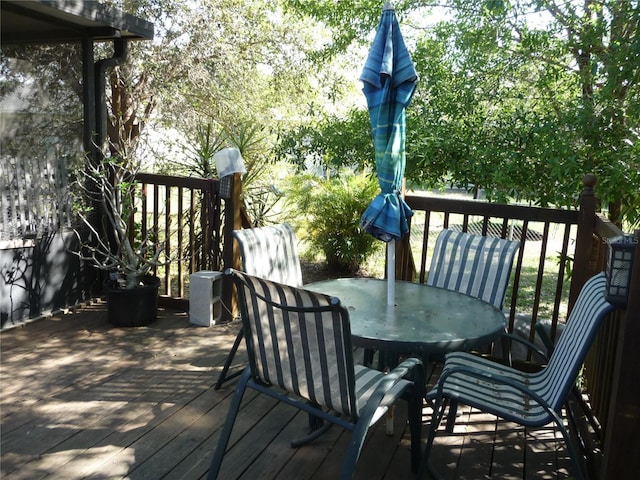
{"x":82,"y":399}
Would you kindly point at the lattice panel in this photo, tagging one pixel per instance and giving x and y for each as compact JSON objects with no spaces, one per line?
{"x":33,"y":197}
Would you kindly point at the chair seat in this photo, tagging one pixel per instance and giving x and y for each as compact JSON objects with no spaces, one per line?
{"x":481,"y":383}
{"x":368,"y":380}
{"x":489,"y":366}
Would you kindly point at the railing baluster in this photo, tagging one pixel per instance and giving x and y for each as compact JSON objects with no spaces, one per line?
{"x":180,"y":254}
{"x":183,"y":199}
{"x":156,"y":230}
{"x":564,"y":255}
{"x":192,"y":230}
{"x":425,"y":243}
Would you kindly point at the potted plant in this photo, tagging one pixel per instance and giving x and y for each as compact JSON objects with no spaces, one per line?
{"x":110,"y":241}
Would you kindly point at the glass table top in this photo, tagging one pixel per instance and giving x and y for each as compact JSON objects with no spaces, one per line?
{"x":422,"y":318}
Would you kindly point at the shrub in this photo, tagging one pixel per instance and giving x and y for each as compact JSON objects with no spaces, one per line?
{"x":327,"y":215}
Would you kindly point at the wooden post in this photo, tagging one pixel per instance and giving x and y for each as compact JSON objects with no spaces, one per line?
{"x":622,"y":443}
{"x":230,"y":251}
{"x":404,"y":264}
{"x":584,"y":238}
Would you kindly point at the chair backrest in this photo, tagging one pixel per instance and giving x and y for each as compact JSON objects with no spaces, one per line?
{"x":270,"y":252}
{"x":576,"y":339}
{"x":473,"y":264}
{"x":299,"y":341}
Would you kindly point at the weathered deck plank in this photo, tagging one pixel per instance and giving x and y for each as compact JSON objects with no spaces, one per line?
{"x":81,"y":399}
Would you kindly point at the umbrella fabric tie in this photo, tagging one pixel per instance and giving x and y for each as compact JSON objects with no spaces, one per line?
{"x":387,"y":217}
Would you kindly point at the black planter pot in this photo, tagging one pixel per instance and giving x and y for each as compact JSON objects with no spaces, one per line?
{"x":136,"y":307}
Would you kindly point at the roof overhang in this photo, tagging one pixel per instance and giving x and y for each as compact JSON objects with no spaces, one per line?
{"x":46,"y":21}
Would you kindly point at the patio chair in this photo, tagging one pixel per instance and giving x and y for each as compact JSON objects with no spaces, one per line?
{"x":300,"y":352}
{"x":473,"y":264}
{"x":269,"y":252}
{"x":529,"y":399}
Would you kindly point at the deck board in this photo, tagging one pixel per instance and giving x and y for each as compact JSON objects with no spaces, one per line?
{"x":81,"y":399}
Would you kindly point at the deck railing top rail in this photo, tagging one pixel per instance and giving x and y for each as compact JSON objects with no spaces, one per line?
{"x":480,"y":207}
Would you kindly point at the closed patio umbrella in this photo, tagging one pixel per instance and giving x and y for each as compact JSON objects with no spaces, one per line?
{"x":389,"y":80}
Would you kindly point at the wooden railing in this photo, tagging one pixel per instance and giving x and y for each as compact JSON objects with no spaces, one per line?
{"x":185,"y":214}
{"x":549,"y":241}
{"x":599,"y":364}
{"x":618,"y":349}
{"x":610,"y":396}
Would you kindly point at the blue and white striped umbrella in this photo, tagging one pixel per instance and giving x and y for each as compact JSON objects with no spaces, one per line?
{"x":389,"y":80}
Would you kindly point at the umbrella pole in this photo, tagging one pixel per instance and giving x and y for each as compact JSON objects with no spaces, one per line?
{"x":391,"y":272}
{"x":391,"y":295}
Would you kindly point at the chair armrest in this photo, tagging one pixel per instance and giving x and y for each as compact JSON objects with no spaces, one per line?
{"x":415,"y":368}
{"x":407,"y":366}
{"x":386,"y":392}
{"x":542,"y":333}
{"x":411,"y":367}
{"x":491,"y":378}
{"x":529,"y":345}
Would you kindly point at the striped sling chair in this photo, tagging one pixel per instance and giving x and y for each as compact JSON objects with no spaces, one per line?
{"x":269,"y":252}
{"x":476,"y":265}
{"x":299,"y":342}
{"x":529,"y":399}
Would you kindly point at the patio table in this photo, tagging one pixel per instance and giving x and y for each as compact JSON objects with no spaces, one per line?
{"x":424,"y":320}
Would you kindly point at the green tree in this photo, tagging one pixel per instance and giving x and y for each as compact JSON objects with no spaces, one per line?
{"x":519,"y":98}
{"x":218,"y":73}
{"x":329,"y":143}
{"x":231,"y":63}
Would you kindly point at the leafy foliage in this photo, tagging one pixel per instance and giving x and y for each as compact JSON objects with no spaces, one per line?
{"x":519,"y":108}
{"x":231,"y":63}
{"x":331,"y":143}
{"x":520,"y":99}
{"x":329,"y":212}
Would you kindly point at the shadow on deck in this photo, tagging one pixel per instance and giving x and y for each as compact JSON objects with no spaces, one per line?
{"x":83,"y":399}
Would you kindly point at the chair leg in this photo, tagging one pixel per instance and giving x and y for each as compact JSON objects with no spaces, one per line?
{"x":387,"y":361}
{"x":573,"y":453}
{"x":452,"y":415}
{"x":355,"y":447}
{"x":227,"y":364}
{"x":414,"y":406}
{"x":436,"y":418}
{"x":367,"y":357}
{"x":317,"y":427}
{"x":225,"y":434}
{"x":315,"y":433}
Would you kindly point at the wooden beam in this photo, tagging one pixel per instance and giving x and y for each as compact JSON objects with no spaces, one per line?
{"x":584,"y":238}
{"x":231,"y":252}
